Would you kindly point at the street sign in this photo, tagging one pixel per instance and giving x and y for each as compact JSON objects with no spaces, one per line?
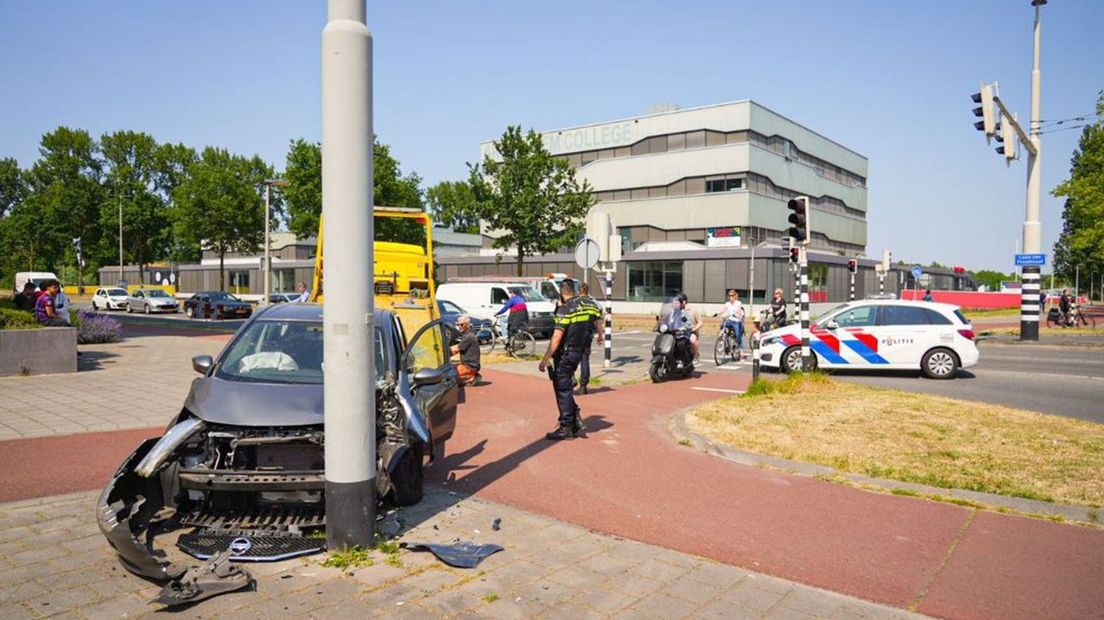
{"x":917,"y":271}
{"x":1030,"y":260}
{"x":586,"y":253}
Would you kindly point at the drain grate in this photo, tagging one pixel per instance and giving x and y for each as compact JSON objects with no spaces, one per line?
{"x":204,"y":545}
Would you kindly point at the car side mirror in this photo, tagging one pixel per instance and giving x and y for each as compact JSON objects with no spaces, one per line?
{"x":831,"y":325}
{"x":202,"y":364}
{"x":428,"y":376}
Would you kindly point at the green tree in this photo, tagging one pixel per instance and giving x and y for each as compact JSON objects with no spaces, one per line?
{"x":13,"y":191}
{"x":530,"y":196}
{"x":220,"y":204}
{"x":992,"y":278}
{"x":13,"y":185}
{"x":390,"y":188}
{"x":453,"y":205}
{"x":170,"y":169}
{"x":66,"y":196}
{"x":1082,"y":239}
{"x":130,"y":160}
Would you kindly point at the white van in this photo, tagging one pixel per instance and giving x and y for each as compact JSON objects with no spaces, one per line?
{"x":484,"y":299}
{"x":37,"y":277}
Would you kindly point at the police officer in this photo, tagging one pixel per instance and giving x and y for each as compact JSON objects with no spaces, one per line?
{"x":597,"y":325}
{"x":572,"y":327}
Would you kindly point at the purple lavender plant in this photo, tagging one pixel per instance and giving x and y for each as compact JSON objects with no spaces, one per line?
{"x":95,"y":328}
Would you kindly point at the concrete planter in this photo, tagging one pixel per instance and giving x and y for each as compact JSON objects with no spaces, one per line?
{"x":50,"y":350}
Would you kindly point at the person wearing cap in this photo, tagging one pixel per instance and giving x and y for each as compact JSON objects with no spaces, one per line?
{"x":572,"y":326}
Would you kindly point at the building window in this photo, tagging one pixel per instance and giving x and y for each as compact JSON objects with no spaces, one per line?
{"x":239,"y":282}
{"x":654,"y":280}
{"x":283,"y":280}
{"x":723,"y":185}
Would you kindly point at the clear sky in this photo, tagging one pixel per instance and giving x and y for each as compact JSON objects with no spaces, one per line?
{"x":888,"y":78}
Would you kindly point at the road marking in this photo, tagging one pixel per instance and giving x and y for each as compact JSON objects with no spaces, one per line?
{"x":627,"y":333}
{"x":736,"y":367}
{"x":705,"y":389}
{"x":1034,"y":374}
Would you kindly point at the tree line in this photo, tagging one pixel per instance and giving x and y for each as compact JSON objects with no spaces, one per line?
{"x":1080,"y":248}
{"x":63,"y":213}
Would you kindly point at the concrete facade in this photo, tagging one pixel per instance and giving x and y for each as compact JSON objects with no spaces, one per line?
{"x":46,"y":351}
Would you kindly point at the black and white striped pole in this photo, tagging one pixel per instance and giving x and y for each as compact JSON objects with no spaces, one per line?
{"x":796,"y":269}
{"x":806,"y":352}
{"x":609,"y":318}
{"x":1029,"y":304}
{"x":755,"y":356}
{"x":853,"y":267}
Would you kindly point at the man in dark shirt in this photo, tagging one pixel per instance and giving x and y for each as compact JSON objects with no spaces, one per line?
{"x":26,"y":299}
{"x":468,"y":350}
{"x":572,"y":327}
{"x":778,"y":309}
{"x":598,"y":325}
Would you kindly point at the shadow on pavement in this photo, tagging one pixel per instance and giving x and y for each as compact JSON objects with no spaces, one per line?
{"x":94,"y":360}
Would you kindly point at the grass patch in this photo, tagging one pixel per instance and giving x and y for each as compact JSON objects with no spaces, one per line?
{"x":916,"y":438}
{"x":684,"y":442}
{"x":352,"y":557}
{"x":499,"y":357}
{"x":490,"y":597}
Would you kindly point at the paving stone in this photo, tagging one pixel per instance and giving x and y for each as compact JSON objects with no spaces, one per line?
{"x":450,"y":602}
{"x":691,"y":591}
{"x":787,"y":613}
{"x":661,"y":605}
{"x":719,"y":576}
{"x":126,"y":605}
{"x":658,"y":571}
{"x":604,"y":600}
{"x":768,"y":583}
{"x":15,"y":611}
{"x":813,"y":601}
{"x":378,"y":574}
{"x":57,"y":601}
{"x":748,"y":596}
{"x":18,"y":593}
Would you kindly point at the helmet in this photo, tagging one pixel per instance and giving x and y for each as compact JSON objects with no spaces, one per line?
{"x":681,"y":297}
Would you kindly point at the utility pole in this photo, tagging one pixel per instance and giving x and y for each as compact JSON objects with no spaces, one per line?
{"x":119,"y":201}
{"x":269,"y":183}
{"x":349,"y":390}
{"x":801,"y":233}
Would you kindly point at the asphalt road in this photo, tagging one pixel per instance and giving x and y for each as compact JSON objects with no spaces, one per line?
{"x":1060,"y":380}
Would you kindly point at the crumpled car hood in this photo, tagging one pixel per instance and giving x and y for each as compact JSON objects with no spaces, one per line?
{"x":241,"y":403}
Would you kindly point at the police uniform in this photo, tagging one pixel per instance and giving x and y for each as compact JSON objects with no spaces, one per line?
{"x":575,"y":318}
{"x":584,"y":363}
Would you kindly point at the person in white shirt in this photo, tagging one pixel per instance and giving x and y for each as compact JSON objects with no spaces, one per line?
{"x":304,"y":294}
{"x":733,"y":314}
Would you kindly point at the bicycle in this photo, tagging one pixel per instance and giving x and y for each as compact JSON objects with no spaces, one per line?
{"x":1075,"y":318}
{"x":520,"y":345}
{"x":726,"y":348}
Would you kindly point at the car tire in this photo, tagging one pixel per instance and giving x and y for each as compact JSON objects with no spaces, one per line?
{"x":128,"y":309}
{"x":791,"y":360}
{"x":407,"y":479}
{"x":189,"y":312}
{"x":95,"y":308}
{"x":147,"y":309}
{"x":940,"y":363}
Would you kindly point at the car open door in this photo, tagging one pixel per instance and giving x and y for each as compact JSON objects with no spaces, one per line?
{"x":432,"y":378}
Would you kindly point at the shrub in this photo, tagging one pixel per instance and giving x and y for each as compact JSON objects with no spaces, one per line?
{"x":94,"y":328}
{"x":17,"y":319}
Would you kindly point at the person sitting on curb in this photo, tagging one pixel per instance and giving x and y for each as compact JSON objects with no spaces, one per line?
{"x":46,"y":308}
{"x":26,"y":299}
{"x":468,"y":350}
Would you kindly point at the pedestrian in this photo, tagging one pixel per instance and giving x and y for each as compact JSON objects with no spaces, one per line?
{"x":45,"y":308}
{"x":927,"y":295}
{"x":468,"y":350}
{"x":304,"y":294}
{"x":598,"y":326}
{"x":1065,"y":306}
{"x":26,"y":299}
{"x":778,"y":309}
{"x":572,"y":325}
{"x":62,"y":306}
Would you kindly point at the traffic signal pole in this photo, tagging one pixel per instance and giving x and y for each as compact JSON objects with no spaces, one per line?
{"x":806,"y":352}
{"x":1032,"y":230}
{"x":349,"y":391}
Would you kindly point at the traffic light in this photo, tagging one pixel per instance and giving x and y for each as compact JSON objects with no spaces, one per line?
{"x":795,"y":255}
{"x":985,"y":110}
{"x":853,"y":265}
{"x":799,"y":217}
{"x":1006,"y":138}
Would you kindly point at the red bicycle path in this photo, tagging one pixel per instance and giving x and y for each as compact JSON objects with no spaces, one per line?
{"x":631,"y":479}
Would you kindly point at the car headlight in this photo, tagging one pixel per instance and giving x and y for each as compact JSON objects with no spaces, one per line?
{"x":769,"y":341}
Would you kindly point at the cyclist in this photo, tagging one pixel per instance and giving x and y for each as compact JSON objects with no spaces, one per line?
{"x":733,"y":314}
{"x":1065,"y":306}
{"x":778,"y":309}
{"x":518,"y":313}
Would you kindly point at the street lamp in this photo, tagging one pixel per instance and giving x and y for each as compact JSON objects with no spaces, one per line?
{"x":269,"y":184}
{"x":751,"y":280}
{"x":1077,"y":280}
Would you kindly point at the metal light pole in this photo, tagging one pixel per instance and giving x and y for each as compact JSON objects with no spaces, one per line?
{"x":1032,"y":229}
{"x":269,"y":183}
{"x":751,"y":280}
{"x":349,"y":389}
{"x":119,"y":200}
{"x":1077,"y":280}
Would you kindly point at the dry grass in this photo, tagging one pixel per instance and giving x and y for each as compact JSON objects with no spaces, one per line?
{"x":917,"y":438}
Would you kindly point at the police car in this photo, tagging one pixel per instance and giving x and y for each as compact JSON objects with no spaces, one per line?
{"x":879,"y":334}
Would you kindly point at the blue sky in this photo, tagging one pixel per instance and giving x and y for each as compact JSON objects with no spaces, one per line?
{"x":889,"y":79}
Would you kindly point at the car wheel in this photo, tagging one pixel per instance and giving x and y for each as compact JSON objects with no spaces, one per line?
{"x":95,"y":308}
{"x":147,"y":309}
{"x":189,"y":312}
{"x":407,"y":479}
{"x":939,"y":364}
{"x":791,"y":360}
{"x":129,"y":309}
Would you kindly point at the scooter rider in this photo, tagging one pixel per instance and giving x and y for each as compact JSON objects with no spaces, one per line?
{"x":572,"y":327}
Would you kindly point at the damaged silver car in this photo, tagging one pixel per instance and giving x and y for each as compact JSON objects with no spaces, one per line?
{"x":241,"y":467}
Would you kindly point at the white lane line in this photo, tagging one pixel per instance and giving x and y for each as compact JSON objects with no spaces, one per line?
{"x":705,"y":389}
{"x":1033,"y":374}
{"x":730,"y":367}
{"x":615,"y":334}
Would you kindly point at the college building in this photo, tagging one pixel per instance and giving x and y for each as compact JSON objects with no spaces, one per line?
{"x":692,"y":191}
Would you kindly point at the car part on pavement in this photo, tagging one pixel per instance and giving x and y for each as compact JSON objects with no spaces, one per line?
{"x":214,"y":577}
{"x":464,"y":554}
{"x":168,"y":444}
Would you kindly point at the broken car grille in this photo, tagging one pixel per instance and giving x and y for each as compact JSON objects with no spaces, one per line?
{"x":203,"y":545}
{"x":266,"y":521}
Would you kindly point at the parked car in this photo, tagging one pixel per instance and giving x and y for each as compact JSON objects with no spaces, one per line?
{"x":244,"y":461}
{"x":450,"y":312}
{"x":934,"y":338}
{"x":484,"y":299}
{"x":109,"y":299}
{"x":151,"y":300}
{"x":282,"y":298}
{"x":222,"y":305}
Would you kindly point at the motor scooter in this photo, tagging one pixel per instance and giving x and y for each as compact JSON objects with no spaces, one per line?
{"x":671,"y":351}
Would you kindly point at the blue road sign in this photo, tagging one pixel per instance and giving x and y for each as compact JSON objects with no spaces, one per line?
{"x":916,"y":271}
{"x":1030,"y":260}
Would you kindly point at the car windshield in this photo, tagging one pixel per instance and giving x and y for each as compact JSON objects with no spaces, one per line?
{"x":219,"y":295}
{"x":157,"y":293}
{"x":116,"y":291}
{"x":282,"y":352}
{"x":527,"y":293}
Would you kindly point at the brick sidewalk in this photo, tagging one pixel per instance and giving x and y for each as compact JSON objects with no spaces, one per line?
{"x":54,"y":562}
{"x":136,"y":383}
